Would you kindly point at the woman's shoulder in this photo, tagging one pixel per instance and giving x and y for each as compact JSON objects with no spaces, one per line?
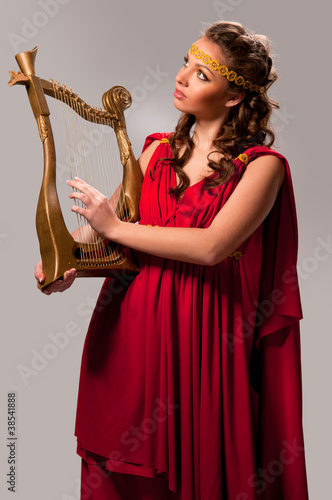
{"x":150,"y":148}
{"x":254,"y":152}
{"x":262,"y":158}
{"x":157,"y":138}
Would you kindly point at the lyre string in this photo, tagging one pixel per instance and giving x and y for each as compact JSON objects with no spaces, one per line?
{"x":91,"y":161}
{"x":101,"y":175}
{"x":115,"y":155}
{"x":81,"y":169}
{"x":61,"y":109}
{"x":68,"y":122}
{"x":107,"y":161}
{"x":78,"y":171}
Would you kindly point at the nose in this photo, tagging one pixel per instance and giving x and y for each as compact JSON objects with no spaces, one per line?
{"x":182,"y":77}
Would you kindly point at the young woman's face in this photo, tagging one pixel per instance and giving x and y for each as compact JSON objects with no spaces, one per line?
{"x":199,"y":90}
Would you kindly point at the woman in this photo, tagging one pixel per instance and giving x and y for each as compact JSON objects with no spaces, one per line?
{"x":191,"y":383}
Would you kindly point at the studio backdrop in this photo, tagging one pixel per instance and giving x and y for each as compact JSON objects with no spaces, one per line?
{"x":91,"y":46}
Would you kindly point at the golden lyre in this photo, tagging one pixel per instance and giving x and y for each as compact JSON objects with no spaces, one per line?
{"x":59,"y":251}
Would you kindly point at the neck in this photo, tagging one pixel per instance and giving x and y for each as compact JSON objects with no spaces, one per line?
{"x":206,"y":132}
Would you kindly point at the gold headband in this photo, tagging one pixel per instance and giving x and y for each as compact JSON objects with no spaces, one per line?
{"x":224,"y":71}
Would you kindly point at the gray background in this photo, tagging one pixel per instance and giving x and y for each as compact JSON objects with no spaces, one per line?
{"x":92,"y":46}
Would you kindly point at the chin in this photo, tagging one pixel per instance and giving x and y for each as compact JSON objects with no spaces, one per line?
{"x":179,"y":105}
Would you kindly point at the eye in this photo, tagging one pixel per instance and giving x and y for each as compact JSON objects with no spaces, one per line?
{"x":202,"y":76}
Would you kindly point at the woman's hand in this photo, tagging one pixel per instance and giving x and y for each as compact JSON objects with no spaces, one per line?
{"x":58,"y":286}
{"x":98,"y":212}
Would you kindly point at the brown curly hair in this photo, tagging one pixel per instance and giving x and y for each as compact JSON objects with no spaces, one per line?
{"x":248,"y":122}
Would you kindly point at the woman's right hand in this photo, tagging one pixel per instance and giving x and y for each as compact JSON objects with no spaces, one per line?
{"x":59,"y":285}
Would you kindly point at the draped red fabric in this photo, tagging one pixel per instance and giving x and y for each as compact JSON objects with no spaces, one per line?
{"x":192,"y":373}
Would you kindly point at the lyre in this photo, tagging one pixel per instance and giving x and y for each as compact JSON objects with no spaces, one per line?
{"x":59,"y":251}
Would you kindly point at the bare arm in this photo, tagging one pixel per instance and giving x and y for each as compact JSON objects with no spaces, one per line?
{"x":245,"y":210}
{"x":145,"y":157}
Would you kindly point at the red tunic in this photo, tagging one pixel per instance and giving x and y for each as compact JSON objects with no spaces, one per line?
{"x":192,"y":372}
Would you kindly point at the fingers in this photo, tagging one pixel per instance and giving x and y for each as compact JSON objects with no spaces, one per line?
{"x":86,"y":194}
{"x":78,"y":208}
{"x":39,"y":273}
{"x":60,"y":285}
{"x":80,"y":196}
{"x":84,"y":187}
{"x":97,"y":210}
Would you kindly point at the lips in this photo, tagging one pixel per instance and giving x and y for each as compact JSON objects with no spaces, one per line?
{"x":179,"y":95}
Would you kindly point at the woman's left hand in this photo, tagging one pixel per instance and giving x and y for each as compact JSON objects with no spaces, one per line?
{"x":98,"y":212}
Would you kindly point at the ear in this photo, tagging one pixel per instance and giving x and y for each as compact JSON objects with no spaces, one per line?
{"x":234,"y":99}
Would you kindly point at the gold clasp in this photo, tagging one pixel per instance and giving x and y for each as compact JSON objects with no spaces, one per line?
{"x":236,"y":254}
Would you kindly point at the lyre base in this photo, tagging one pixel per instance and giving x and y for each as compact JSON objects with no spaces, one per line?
{"x":120,"y":273}
{"x":117,"y":265}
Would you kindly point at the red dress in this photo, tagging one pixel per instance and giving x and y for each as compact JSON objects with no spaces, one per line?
{"x":192,"y":373}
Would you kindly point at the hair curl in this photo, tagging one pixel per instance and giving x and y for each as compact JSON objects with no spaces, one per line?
{"x":248,"y":122}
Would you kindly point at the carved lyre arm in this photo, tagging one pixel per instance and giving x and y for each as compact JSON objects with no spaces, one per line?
{"x":58,"y":249}
{"x":116,"y":100}
{"x":54,"y":238}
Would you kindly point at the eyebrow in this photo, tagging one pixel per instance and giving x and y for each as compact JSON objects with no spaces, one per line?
{"x":198,"y":65}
